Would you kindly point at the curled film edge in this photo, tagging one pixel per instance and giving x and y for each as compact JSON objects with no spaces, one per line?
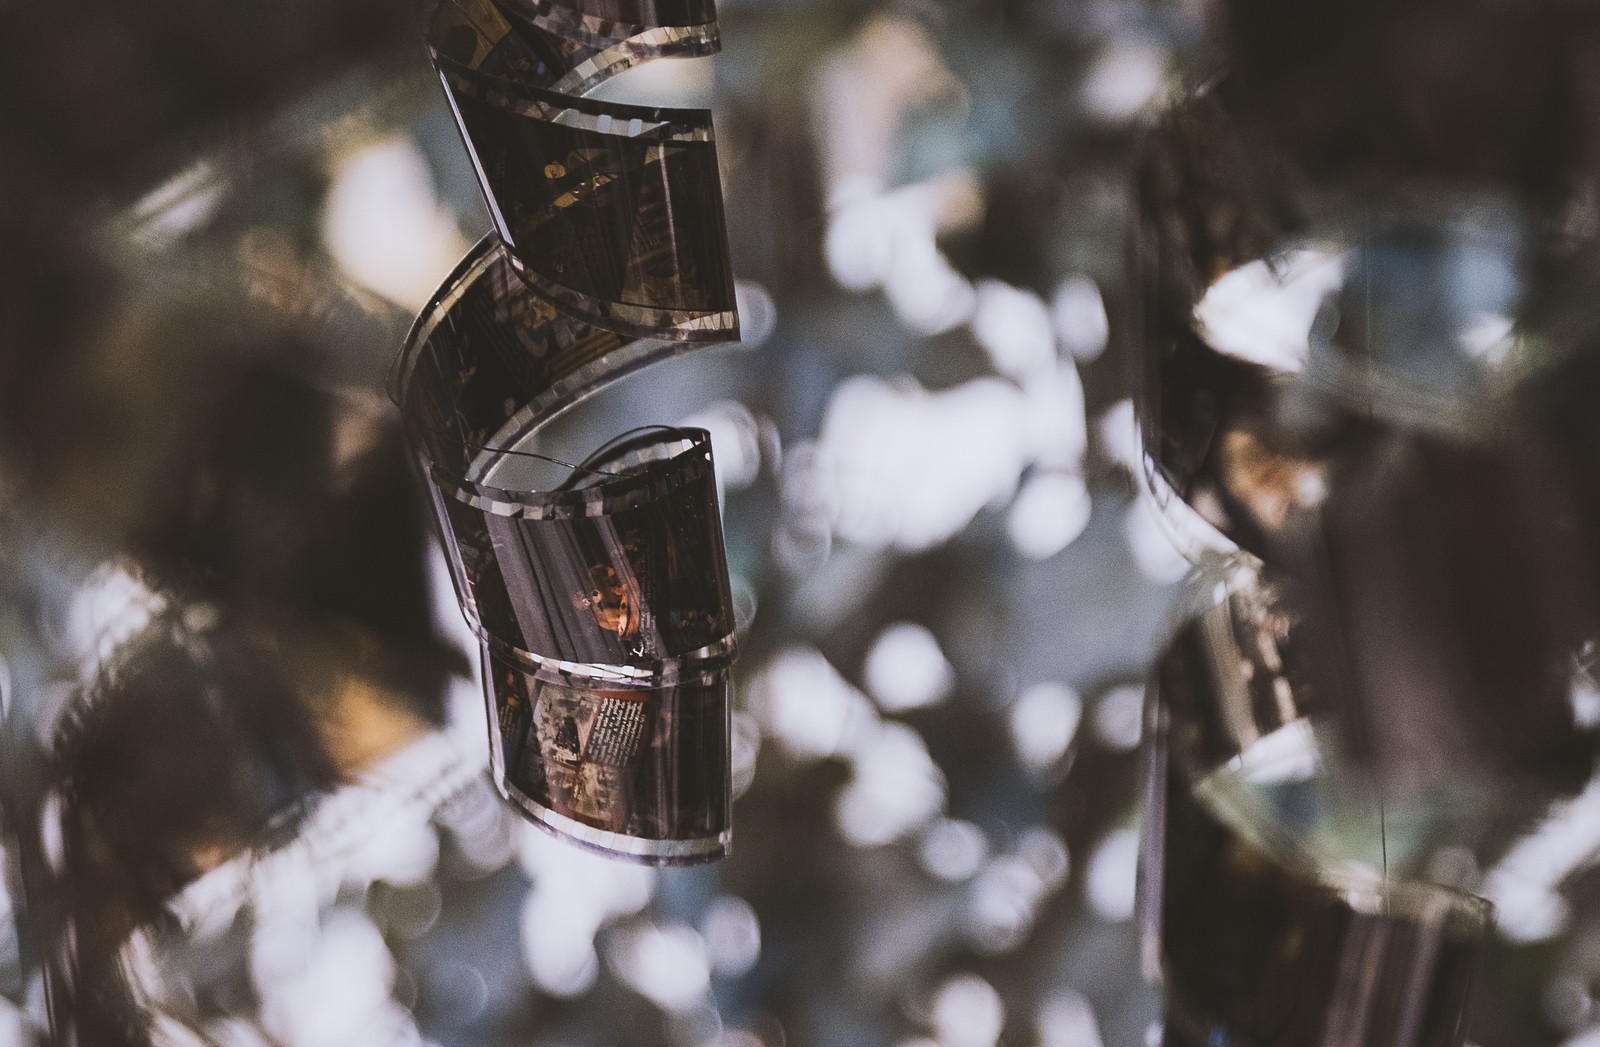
{"x":601,"y":598}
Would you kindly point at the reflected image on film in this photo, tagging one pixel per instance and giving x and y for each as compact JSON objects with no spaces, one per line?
{"x":636,"y":772}
{"x":634,"y":587}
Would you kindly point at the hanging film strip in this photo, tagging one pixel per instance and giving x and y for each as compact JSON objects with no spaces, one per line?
{"x":599,"y":591}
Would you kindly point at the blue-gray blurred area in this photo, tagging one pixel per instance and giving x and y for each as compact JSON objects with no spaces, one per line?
{"x":216,"y":222}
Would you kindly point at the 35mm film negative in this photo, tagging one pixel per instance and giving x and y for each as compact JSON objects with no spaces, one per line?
{"x":599,"y":590}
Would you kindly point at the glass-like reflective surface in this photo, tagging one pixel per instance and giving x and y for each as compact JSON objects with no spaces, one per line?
{"x":1266,"y":924}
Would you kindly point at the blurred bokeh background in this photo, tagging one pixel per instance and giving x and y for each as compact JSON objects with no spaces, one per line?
{"x":217,"y":218}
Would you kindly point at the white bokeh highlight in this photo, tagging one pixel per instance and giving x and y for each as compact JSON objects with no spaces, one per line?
{"x":1044,"y":722}
{"x":905,"y":669}
{"x":967,"y":1012}
{"x":1111,"y":876}
{"x":384,"y":225}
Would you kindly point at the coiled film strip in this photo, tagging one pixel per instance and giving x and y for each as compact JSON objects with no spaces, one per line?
{"x":600,"y":597}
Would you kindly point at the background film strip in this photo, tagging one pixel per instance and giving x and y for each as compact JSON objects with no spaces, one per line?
{"x":1356,"y":418}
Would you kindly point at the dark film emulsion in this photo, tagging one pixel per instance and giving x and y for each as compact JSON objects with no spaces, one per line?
{"x":599,"y":591}
{"x":595,"y":221}
{"x":612,"y":210}
{"x":637,"y":585}
{"x":603,"y":605}
{"x":487,"y":352}
{"x":621,"y":561}
{"x":638,"y":770}
{"x":567,"y":49}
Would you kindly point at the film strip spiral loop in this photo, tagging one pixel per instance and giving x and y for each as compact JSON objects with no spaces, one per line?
{"x":599,"y":591}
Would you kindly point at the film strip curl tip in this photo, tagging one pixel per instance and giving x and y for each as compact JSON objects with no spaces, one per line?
{"x":599,"y":591}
